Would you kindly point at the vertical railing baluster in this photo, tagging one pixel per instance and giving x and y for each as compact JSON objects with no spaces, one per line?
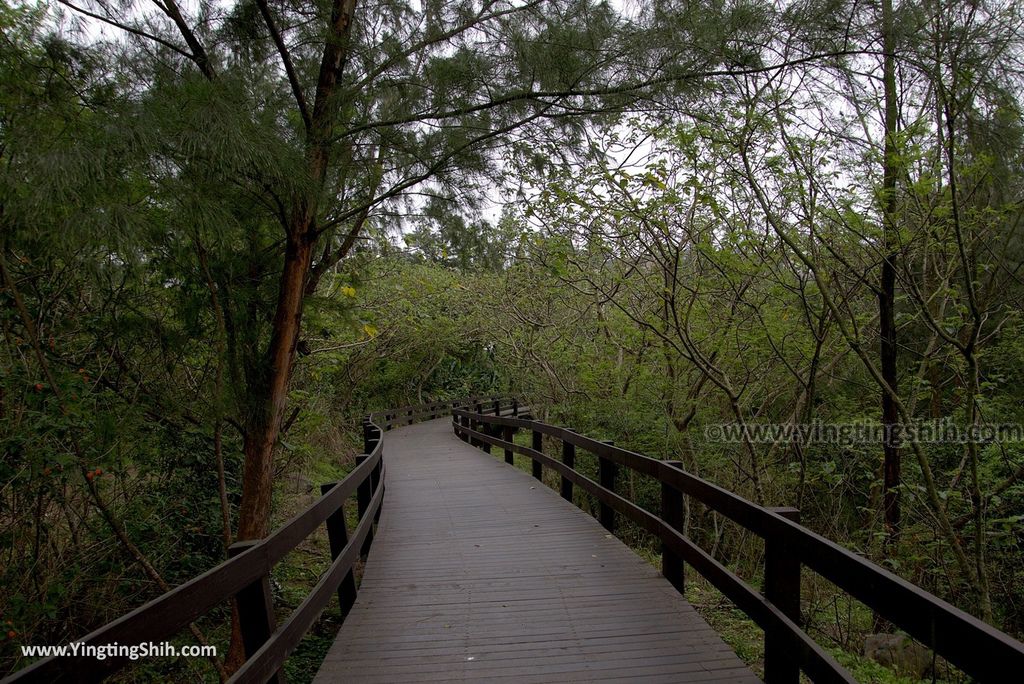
{"x":482,"y":427}
{"x":508,"y":436}
{"x":608,"y":472}
{"x":255,"y":609}
{"x":782,"y":588}
{"x":376,"y":481}
{"x":515,"y":407}
{"x":569,"y":460}
{"x":337,"y":536}
{"x":672,"y":513}
{"x":538,"y":445}
{"x":364,"y":492}
{"x":475,"y":424}
{"x":367,"y":436}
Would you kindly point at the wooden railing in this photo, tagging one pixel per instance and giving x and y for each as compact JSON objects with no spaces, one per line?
{"x":978,"y":649}
{"x":245,"y":576}
{"x":406,"y":415}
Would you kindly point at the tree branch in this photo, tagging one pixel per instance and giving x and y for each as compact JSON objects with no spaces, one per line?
{"x":286,"y":60}
{"x":128,"y":29}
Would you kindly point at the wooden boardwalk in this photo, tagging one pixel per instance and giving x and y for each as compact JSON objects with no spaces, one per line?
{"x":478,"y":572}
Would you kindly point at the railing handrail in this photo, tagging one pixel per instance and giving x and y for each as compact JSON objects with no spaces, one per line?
{"x":246,"y":573}
{"x":975,"y":647}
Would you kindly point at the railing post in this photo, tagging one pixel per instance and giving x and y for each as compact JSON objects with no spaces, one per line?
{"x":482,"y":427}
{"x":508,"y":436}
{"x":363,"y":495}
{"x":608,"y":472}
{"x":475,"y":424}
{"x":369,"y":433}
{"x":497,"y":407}
{"x":464,"y":422}
{"x":569,"y":460}
{"x":781,"y":588}
{"x":255,"y":609}
{"x":410,"y":417}
{"x":515,"y":407}
{"x":538,"y":445}
{"x":337,"y":535}
{"x":672,"y":567}
{"x":377,"y":481}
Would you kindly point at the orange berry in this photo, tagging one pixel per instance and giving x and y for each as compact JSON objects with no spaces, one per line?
{"x":99,"y":472}
{"x":11,"y":634}
{"x":89,"y":476}
{"x":39,"y":387}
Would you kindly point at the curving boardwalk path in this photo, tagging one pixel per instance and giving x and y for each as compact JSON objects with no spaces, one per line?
{"x":480,"y":573}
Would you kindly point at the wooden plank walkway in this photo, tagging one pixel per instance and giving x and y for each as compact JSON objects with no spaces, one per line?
{"x":480,"y":573}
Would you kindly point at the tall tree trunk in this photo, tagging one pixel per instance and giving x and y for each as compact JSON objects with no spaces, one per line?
{"x":269,"y":393}
{"x":268,"y":398}
{"x":887,"y":290}
{"x":263,"y":423}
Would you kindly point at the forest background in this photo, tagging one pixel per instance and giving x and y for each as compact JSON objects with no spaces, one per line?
{"x":229,"y":230}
